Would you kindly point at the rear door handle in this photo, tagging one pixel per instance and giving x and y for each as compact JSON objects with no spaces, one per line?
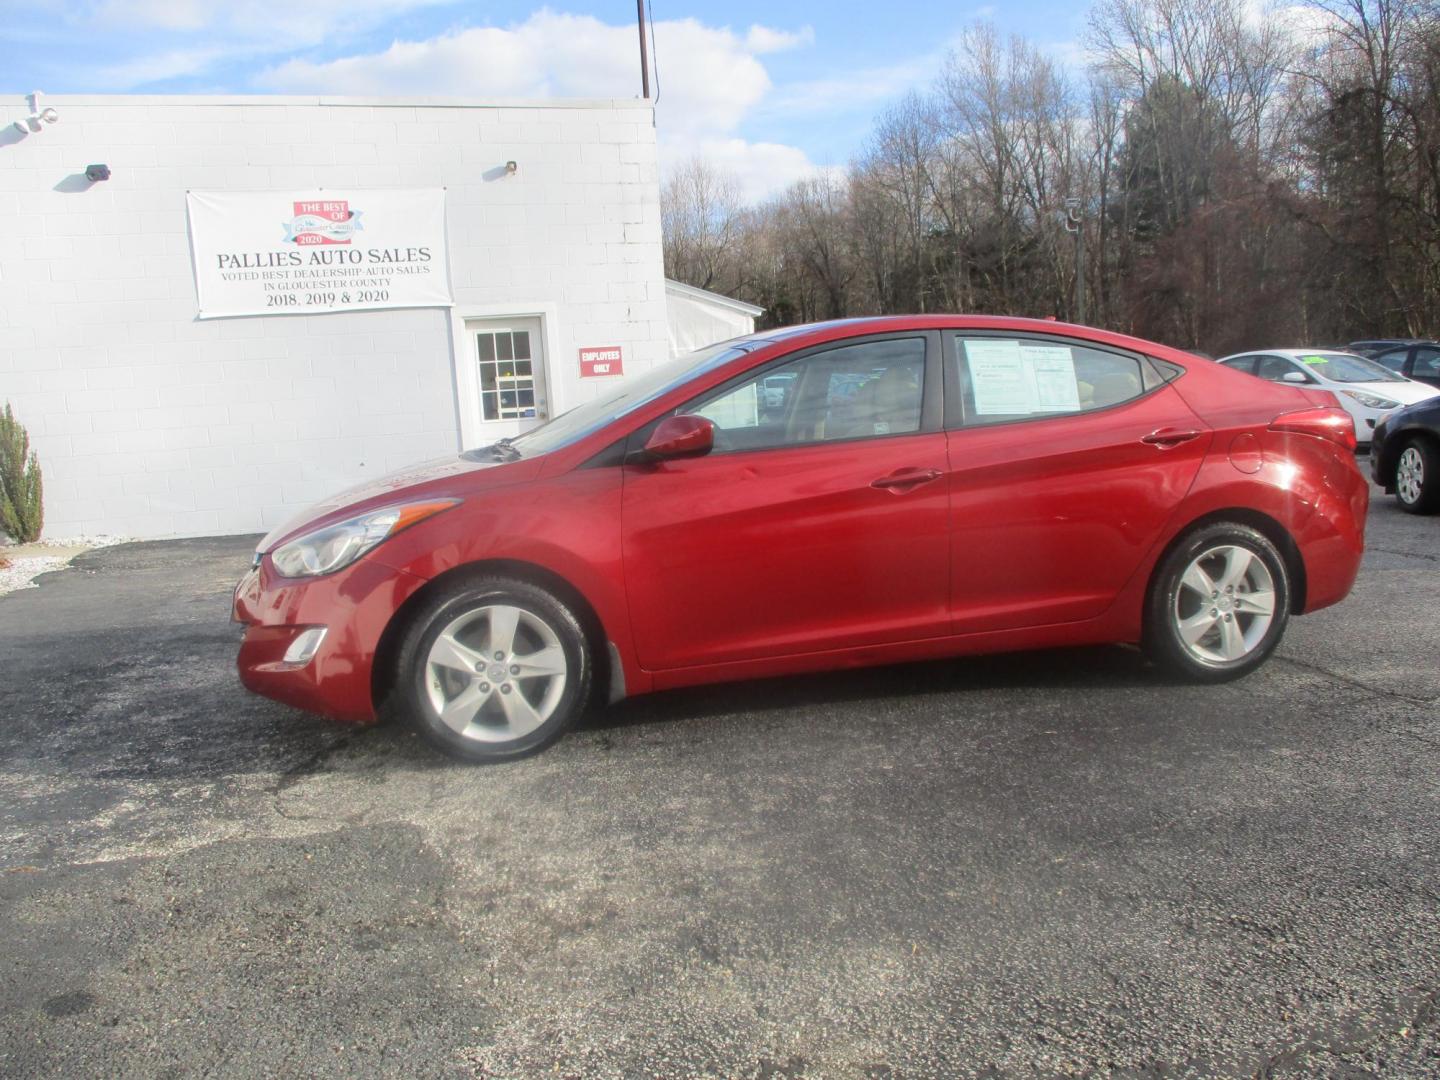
{"x":904,"y":479}
{"x":1168,"y":437}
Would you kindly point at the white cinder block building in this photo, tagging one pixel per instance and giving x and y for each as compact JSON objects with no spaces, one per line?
{"x":155,"y":416}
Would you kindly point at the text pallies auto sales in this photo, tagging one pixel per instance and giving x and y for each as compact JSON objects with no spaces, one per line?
{"x":323,"y":256}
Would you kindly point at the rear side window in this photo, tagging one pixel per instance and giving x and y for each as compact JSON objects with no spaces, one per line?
{"x":1243,"y":363}
{"x":1006,"y":379}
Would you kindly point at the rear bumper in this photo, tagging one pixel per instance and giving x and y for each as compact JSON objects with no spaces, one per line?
{"x":1332,"y":539}
{"x":355,"y":605}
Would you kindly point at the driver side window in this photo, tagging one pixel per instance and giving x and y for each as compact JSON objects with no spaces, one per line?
{"x":868,"y":390}
{"x":1275,"y":368}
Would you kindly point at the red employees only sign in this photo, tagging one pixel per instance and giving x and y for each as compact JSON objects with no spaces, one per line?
{"x":601,"y":361}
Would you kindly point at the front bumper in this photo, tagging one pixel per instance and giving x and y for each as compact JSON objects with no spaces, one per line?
{"x":1377,"y":454}
{"x":355,"y":605}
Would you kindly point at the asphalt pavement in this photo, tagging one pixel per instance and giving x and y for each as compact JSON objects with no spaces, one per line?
{"x":1050,"y":864}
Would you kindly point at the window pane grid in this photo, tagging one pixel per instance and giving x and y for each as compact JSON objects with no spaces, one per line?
{"x":507,"y":376}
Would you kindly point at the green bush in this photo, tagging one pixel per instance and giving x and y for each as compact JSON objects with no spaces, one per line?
{"x":22,"y":510}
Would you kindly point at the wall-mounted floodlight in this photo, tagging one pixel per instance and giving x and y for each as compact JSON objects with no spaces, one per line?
{"x":38,"y":116}
{"x":511,"y":168}
{"x":96,"y":173}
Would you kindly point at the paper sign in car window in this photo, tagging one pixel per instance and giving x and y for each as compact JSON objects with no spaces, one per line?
{"x":1001,"y":379}
{"x":1313,"y":360}
{"x":1053,"y":369}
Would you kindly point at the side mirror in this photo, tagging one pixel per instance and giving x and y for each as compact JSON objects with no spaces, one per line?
{"x":1294,"y":377}
{"x":681,"y":436}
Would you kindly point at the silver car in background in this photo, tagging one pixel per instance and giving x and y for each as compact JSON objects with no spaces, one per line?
{"x":1366,"y":390}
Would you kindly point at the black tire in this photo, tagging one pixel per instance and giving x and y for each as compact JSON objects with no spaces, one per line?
{"x":1427,"y":499}
{"x":1163,"y":643}
{"x":412,"y":698}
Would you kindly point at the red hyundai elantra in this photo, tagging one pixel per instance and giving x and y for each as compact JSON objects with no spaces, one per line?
{"x":818,"y":497}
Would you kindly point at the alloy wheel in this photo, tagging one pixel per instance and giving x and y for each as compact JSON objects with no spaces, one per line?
{"x":496,"y":673}
{"x":1410,"y":475}
{"x":1225,"y":604}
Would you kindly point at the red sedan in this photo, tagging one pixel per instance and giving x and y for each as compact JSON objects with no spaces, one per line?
{"x":818,"y":497}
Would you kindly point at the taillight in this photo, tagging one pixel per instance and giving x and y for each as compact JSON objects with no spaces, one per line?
{"x":1332,"y":424}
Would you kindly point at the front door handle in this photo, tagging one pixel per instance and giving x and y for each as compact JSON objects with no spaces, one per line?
{"x":902,"y":480}
{"x":1168,"y":437}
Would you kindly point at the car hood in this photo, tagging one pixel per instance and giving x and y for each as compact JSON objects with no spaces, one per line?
{"x":1406,"y":393}
{"x":439,"y":477}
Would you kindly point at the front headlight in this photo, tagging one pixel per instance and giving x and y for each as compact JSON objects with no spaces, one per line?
{"x":1371,"y":401}
{"x":338,"y":545}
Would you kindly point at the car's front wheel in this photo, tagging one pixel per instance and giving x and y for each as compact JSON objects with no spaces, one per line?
{"x":1417,"y":478}
{"x":493,"y":669}
{"x":1218,"y":604}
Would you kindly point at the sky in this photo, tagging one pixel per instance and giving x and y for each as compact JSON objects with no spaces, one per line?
{"x":769,"y":92}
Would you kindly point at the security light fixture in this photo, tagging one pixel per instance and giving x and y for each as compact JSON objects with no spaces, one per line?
{"x":38,"y":117}
{"x":511,"y":168}
{"x":96,"y":173}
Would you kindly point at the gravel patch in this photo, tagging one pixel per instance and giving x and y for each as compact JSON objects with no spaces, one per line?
{"x":21,"y":564}
{"x":21,"y":573}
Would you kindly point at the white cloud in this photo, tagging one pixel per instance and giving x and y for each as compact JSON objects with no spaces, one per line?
{"x":1071,"y":56}
{"x":762,"y":169}
{"x":163,"y":14}
{"x":284,"y":24}
{"x":171,"y":64}
{"x":710,"y":79}
{"x":1303,"y":24}
{"x":859,"y":88}
{"x":765,"y":39}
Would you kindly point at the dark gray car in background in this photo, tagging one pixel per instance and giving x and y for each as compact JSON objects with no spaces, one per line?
{"x":1415,"y":358}
{"x":1405,"y":456}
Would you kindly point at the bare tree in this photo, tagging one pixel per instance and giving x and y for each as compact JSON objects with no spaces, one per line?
{"x":815,"y":225}
{"x":700,"y":216}
{"x":1240,"y":185}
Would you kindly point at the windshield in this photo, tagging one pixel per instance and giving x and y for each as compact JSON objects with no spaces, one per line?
{"x":627,"y":397}
{"x":1343,"y":367}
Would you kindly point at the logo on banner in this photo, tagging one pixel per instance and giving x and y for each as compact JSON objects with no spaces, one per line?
{"x":330,"y":221}
{"x":597,"y":363}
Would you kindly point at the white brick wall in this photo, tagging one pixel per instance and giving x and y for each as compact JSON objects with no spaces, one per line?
{"x":149,"y":422}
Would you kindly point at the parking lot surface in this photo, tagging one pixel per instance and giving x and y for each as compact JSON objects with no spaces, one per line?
{"x":1049,"y":864}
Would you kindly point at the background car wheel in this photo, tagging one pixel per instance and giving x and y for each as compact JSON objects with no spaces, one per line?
{"x":1417,"y":478}
{"x":1218,"y":604}
{"x":493,"y":669}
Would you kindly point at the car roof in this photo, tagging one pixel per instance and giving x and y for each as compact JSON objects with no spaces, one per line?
{"x":834,"y":329}
{"x":1394,"y":342}
{"x":1292,"y":353}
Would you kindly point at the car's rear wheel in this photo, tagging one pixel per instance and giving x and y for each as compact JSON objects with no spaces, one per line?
{"x":1218,"y":604}
{"x":1417,"y":478}
{"x":493,"y":669}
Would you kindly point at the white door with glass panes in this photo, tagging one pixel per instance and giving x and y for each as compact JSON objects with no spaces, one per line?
{"x":509,"y":365}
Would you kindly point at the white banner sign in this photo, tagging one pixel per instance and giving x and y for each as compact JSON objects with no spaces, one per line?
{"x":302,"y":252}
